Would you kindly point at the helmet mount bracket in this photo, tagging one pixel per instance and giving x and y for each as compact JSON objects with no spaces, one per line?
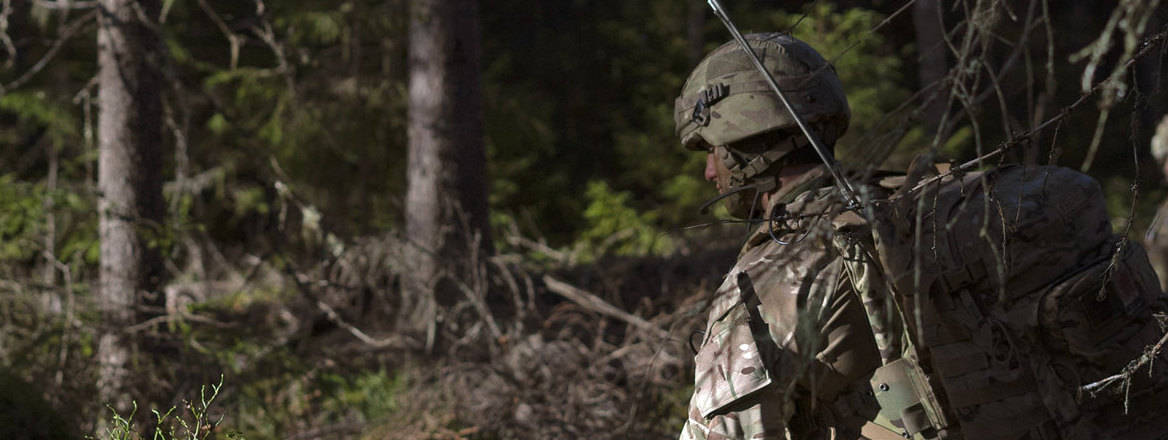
{"x":709,"y":96}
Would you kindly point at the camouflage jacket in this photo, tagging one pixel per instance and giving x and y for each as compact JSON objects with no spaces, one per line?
{"x":1021,"y":297}
{"x":1156,"y":243}
{"x":787,"y":344}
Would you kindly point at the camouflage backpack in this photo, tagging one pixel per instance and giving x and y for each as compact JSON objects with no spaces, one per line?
{"x":1010,"y":295}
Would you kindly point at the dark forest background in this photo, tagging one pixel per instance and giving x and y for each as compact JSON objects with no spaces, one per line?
{"x":281,"y":289}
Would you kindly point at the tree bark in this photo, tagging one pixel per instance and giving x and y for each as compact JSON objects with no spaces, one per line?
{"x":51,"y":298}
{"x":932,"y":66}
{"x":695,"y":26}
{"x":446,"y":202}
{"x":1149,"y":79}
{"x":130,"y":203}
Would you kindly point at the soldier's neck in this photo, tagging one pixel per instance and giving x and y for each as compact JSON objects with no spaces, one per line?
{"x":790,"y":178}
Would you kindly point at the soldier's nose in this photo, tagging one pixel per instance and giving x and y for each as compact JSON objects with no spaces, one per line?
{"x":711,"y":168}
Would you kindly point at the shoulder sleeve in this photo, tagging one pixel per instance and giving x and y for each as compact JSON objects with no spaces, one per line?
{"x":814,"y":319}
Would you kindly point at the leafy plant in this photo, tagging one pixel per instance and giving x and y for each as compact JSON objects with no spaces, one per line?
{"x":193,"y":422}
{"x":616,"y":227}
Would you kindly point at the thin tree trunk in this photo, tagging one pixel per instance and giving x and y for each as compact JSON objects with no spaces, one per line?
{"x":695,"y":26}
{"x":932,"y":64}
{"x":1149,"y":82}
{"x":130,"y":201}
{"x":446,"y":203}
{"x":51,"y":301}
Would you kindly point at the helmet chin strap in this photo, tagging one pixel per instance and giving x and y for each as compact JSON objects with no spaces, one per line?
{"x":764,"y":185}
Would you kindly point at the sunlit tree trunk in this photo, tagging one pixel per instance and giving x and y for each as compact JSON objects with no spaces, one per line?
{"x":446,"y":203}
{"x":129,"y":182}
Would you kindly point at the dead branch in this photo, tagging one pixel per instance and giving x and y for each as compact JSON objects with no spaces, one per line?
{"x":66,"y":5}
{"x":1006,"y":145}
{"x":67,"y":34}
{"x":234,"y":40}
{"x":165,"y":319}
{"x":559,"y":256}
{"x":594,"y":303}
{"x":301,"y":282}
{"x":6,"y":39}
{"x":1125,"y":377}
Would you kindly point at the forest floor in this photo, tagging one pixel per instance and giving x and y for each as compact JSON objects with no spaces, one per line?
{"x":532,"y":347}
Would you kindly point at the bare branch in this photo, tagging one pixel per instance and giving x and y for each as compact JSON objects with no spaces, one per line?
{"x":5,"y":39}
{"x":594,"y":303}
{"x":1006,"y":145}
{"x":70,"y":30}
{"x":66,"y":4}
{"x":301,"y":281}
{"x":235,"y":40}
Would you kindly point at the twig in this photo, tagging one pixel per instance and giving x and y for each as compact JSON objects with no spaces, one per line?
{"x":1125,"y":376}
{"x":476,"y":294}
{"x":268,"y":36}
{"x":562,"y":257}
{"x":144,"y":325}
{"x":1006,"y":145}
{"x":395,"y":341}
{"x":6,"y":39}
{"x":66,"y":5}
{"x":233,"y":39}
{"x":68,"y":33}
{"x":594,"y":303}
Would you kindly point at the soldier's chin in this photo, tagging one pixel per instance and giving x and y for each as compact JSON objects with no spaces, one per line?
{"x":745,"y":205}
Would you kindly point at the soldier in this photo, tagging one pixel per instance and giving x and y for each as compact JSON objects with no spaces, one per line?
{"x":1015,"y":322}
{"x":1156,"y":237}
{"x":802,"y":360}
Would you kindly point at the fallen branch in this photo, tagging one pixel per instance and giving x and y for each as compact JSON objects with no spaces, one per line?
{"x":301,"y":282}
{"x":594,"y":303}
{"x":565,"y":258}
{"x":170,"y":318}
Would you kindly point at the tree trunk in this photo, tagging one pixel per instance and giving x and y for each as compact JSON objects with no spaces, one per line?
{"x":1149,"y":79}
{"x":51,"y":298}
{"x":130,"y":201}
{"x":446,"y":203}
{"x":695,"y":27}
{"x":932,"y":64}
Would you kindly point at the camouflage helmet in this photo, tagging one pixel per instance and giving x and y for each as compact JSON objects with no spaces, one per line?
{"x":726,"y":100}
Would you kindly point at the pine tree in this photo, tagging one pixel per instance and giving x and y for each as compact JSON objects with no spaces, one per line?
{"x":446,"y":205}
{"x":129,"y":180}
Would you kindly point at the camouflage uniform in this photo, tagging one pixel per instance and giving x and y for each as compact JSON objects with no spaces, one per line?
{"x":982,"y":306}
{"x":1156,"y":237}
{"x":984,"y":358}
{"x":787,"y":344}
{"x":1156,"y":242}
{"x":787,"y":348}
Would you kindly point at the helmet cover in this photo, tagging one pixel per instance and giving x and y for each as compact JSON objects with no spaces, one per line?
{"x":726,"y":99}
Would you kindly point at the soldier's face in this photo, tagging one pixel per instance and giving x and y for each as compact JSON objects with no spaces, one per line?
{"x":716,"y":171}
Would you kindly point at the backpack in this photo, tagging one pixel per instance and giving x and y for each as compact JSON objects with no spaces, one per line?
{"x":1009,"y":295}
